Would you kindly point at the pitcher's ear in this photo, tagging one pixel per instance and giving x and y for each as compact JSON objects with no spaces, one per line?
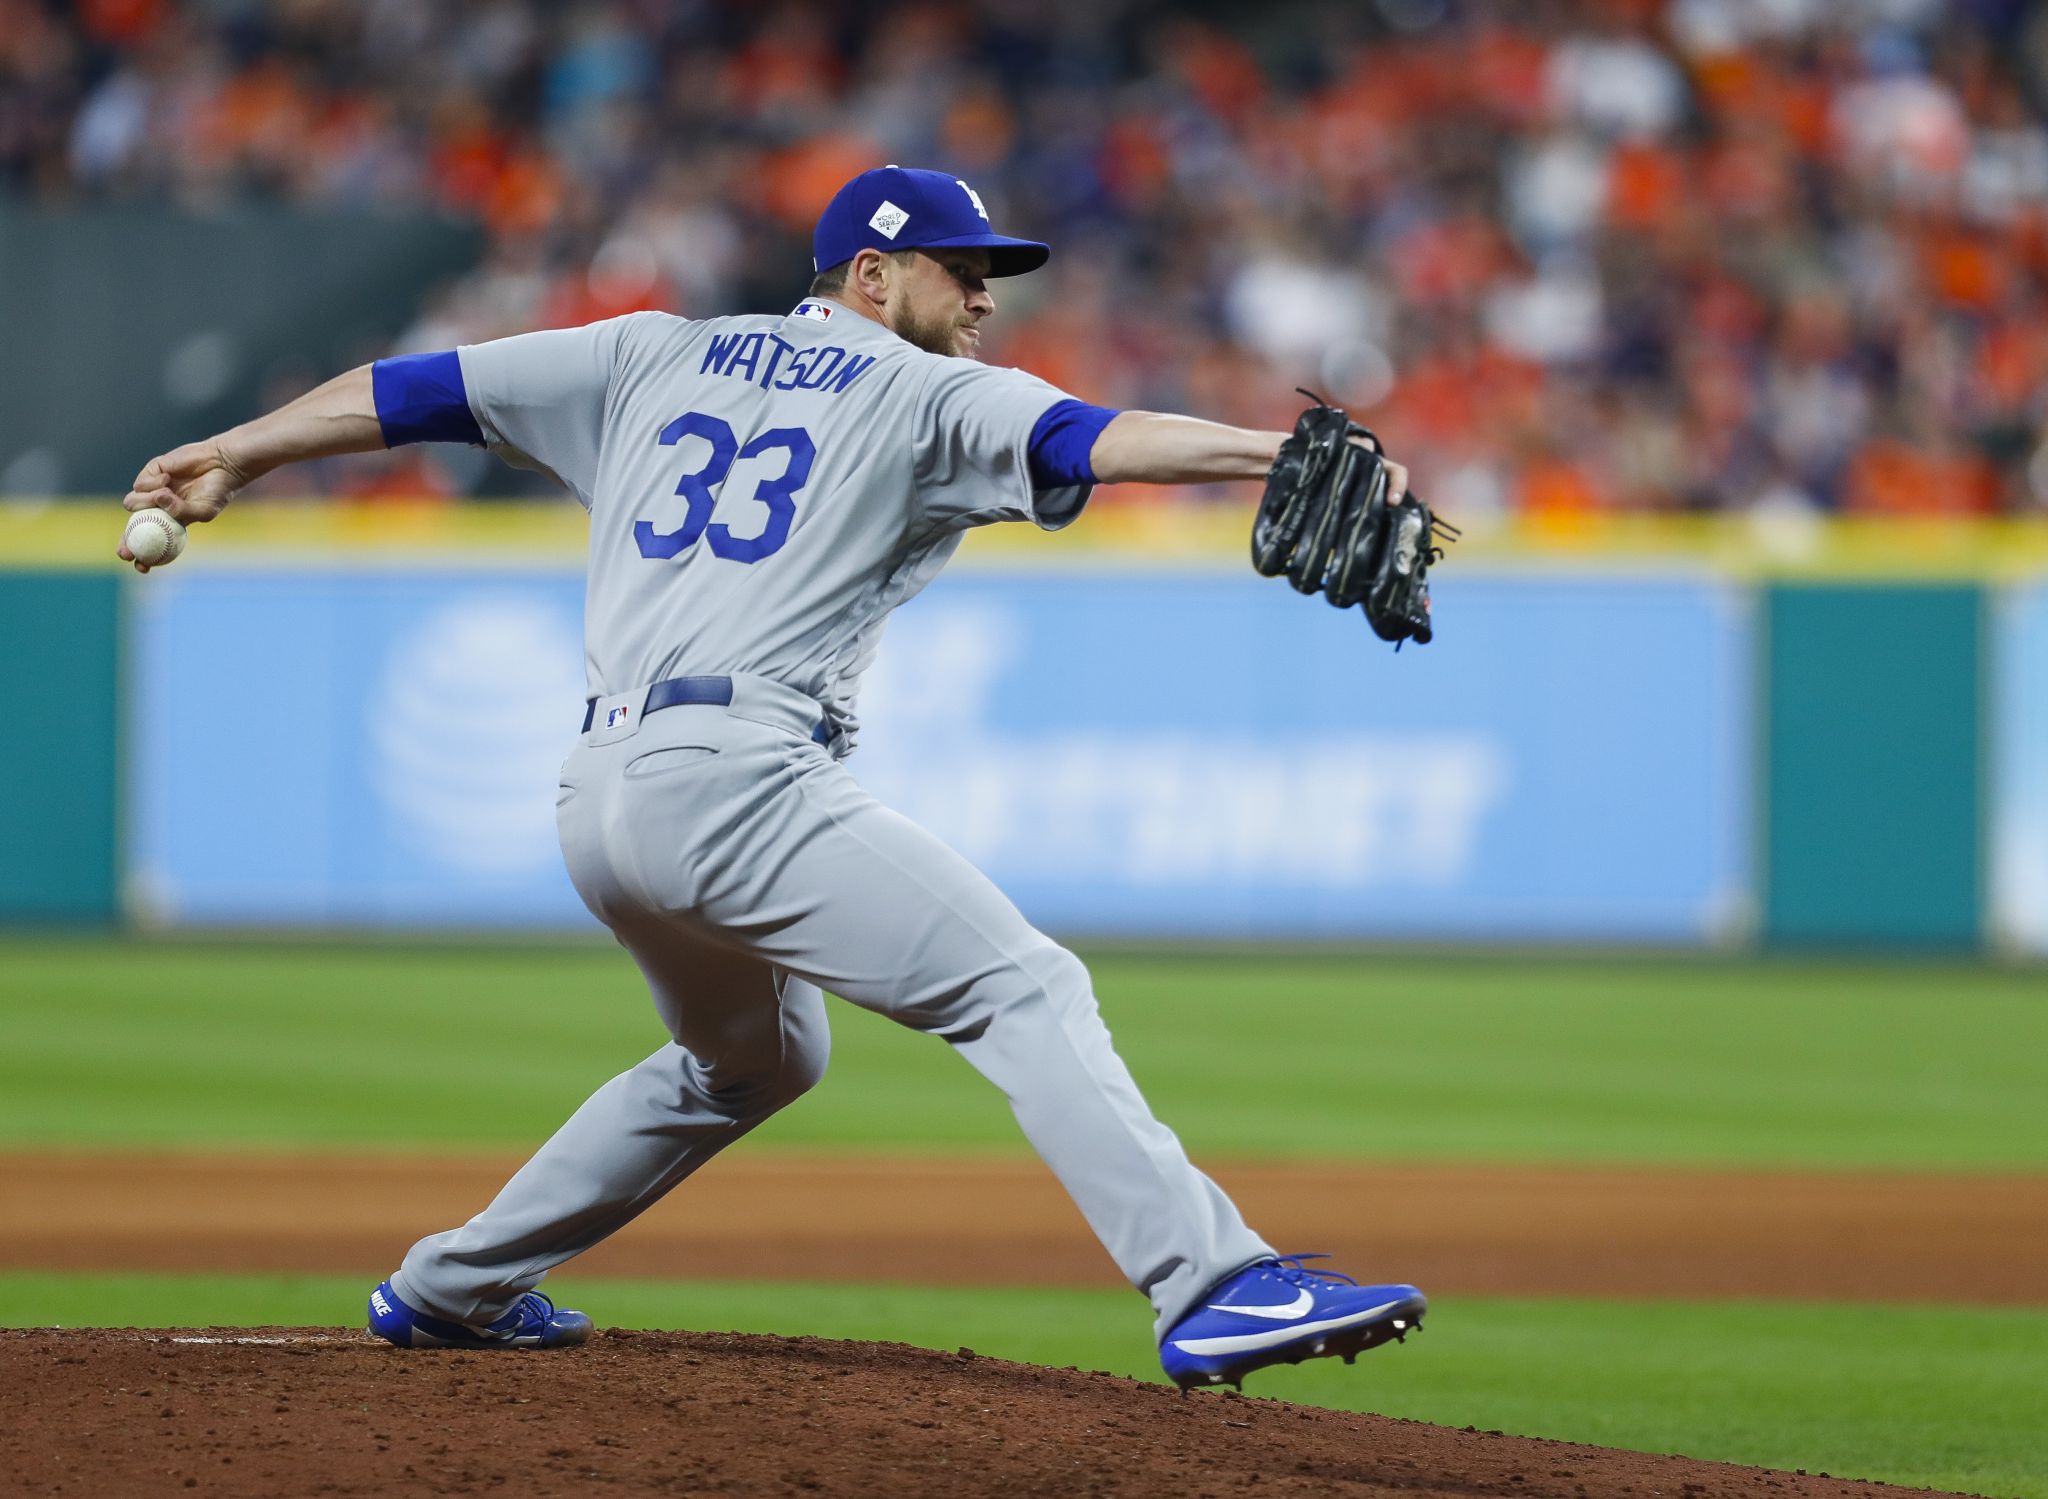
{"x":872,"y":273}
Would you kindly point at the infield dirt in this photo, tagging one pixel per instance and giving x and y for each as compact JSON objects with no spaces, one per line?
{"x":1004,"y":1221}
{"x":271,"y":1411}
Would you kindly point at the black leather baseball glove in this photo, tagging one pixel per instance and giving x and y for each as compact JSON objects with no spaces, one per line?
{"x":1327,"y":522}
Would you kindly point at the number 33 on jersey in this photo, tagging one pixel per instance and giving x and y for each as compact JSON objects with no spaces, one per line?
{"x":699,"y":488}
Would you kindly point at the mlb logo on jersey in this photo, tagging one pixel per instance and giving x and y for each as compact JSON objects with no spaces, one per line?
{"x":616,"y":716}
{"x":817,"y":312}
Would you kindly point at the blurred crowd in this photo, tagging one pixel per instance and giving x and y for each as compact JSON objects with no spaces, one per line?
{"x":1565,"y":255}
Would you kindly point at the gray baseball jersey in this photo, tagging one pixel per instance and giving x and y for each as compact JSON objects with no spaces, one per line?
{"x":762,"y":491}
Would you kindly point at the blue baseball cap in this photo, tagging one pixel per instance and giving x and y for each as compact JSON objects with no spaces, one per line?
{"x":905,"y":208}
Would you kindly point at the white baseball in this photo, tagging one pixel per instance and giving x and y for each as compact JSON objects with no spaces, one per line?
{"x":155,"y":537}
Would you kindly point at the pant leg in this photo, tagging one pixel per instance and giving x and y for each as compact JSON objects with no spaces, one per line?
{"x":749,"y":1038}
{"x":830,"y":884}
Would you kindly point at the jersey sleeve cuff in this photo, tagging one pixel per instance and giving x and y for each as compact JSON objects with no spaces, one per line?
{"x":422,"y":398}
{"x":1063,"y":444}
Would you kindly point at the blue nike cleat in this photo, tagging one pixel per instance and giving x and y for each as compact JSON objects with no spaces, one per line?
{"x":1277,"y":1312}
{"x":533,"y":1322}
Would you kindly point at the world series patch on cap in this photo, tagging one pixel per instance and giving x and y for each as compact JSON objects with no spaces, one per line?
{"x":908,"y":208}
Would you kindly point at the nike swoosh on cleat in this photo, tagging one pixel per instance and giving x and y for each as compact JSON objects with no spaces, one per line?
{"x":1294,"y":1311}
{"x":1248,"y":1342}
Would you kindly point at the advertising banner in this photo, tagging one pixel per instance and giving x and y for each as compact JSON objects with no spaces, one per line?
{"x":1213,"y":755}
{"x":353,"y":747}
{"x":1125,"y":753}
{"x":2019,"y":790}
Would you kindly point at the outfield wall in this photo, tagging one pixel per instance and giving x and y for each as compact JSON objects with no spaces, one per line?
{"x":1634,"y":749}
{"x":60,"y":728}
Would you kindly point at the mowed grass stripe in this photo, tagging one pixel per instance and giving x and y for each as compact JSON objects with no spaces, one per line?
{"x":1933,"y":1396}
{"x":279,"y":1045}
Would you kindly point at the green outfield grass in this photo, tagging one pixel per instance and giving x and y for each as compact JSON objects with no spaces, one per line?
{"x":1656,"y":1060}
{"x":1939,"y":1397}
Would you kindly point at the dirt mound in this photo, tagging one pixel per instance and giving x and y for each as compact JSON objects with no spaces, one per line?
{"x":272,"y":1411}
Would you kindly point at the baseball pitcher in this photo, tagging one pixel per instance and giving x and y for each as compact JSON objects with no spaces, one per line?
{"x":762,"y":492}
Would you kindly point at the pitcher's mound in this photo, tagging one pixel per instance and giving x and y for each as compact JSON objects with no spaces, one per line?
{"x":277,"y":1411}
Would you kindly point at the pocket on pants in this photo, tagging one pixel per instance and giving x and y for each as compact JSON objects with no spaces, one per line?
{"x":664,"y":761}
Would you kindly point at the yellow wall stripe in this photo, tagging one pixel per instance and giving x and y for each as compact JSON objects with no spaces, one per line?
{"x":1117,"y":531}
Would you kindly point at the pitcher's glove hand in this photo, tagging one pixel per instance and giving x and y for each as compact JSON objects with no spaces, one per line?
{"x":1327,"y":522}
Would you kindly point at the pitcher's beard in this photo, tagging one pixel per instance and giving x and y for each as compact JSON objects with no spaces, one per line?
{"x":939,"y":335}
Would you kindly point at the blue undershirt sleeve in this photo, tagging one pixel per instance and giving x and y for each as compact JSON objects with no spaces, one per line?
{"x":421,"y":398}
{"x":1062,"y":442}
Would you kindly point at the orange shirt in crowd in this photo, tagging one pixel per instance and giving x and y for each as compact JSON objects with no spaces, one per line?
{"x":1890,"y":476}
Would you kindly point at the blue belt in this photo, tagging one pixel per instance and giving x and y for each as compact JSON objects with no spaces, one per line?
{"x":679,"y":692}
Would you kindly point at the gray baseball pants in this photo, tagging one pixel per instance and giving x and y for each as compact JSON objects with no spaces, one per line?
{"x":746,"y":871}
